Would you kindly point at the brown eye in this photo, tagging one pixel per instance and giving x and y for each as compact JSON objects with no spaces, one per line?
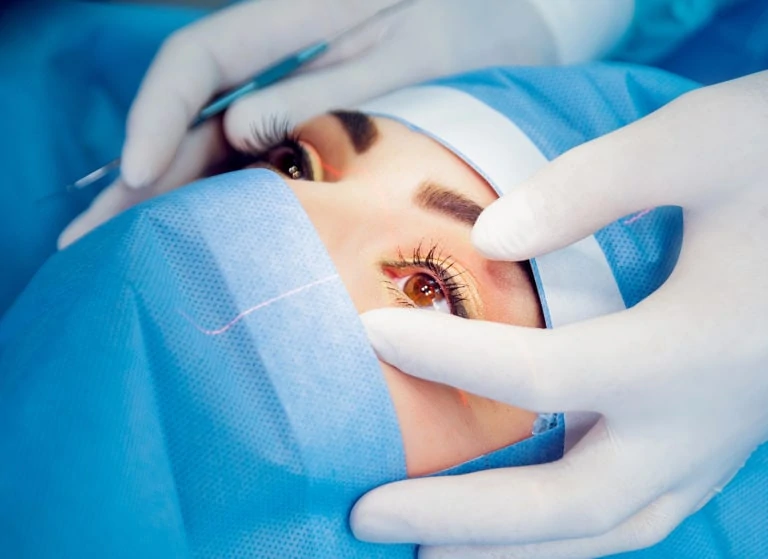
{"x":288,"y":159}
{"x":423,"y":290}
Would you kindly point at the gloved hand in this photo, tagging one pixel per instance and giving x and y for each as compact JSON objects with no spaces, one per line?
{"x":681,"y":379}
{"x":428,"y":39}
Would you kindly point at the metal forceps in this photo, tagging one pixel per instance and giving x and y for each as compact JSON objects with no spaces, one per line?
{"x":274,"y":73}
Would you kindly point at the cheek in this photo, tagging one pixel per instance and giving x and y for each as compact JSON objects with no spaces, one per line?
{"x":433,"y":421}
{"x":442,"y":427}
{"x":361,"y":272}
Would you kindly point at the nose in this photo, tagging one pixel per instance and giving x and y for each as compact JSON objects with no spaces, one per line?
{"x":356,"y":227}
{"x":344,"y":217}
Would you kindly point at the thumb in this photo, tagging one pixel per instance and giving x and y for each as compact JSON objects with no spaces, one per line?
{"x":579,"y":192}
{"x":194,"y":152}
{"x":562,"y":369}
{"x":214,"y":54}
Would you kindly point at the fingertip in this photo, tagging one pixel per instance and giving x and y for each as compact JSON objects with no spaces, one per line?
{"x":380,"y":325}
{"x":137,"y":180}
{"x":505,"y":229}
{"x":79,"y":227}
{"x":374,"y":517}
{"x":110,"y":201}
{"x":362,"y":520}
{"x":151,"y":143}
{"x":134,"y":170}
{"x":382,"y":317}
{"x":68,"y":236}
{"x":239,"y":126}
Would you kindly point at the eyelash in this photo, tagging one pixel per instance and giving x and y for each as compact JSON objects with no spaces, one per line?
{"x":441,"y":268}
{"x":265,"y":141}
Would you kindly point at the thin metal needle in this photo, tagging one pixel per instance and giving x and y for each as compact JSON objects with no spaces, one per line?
{"x":93,"y":176}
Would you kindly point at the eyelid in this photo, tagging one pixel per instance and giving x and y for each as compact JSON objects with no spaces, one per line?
{"x":317,"y":168}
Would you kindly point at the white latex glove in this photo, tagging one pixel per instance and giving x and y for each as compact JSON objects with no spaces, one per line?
{"x":681,"y":379}
{"x":428,"y":39}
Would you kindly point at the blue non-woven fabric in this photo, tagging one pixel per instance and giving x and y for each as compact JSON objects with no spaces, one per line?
{"x":733,"y":44}
{"x":142,"y":418}
{"x":68,"y":73}
{"x":192,"y":379}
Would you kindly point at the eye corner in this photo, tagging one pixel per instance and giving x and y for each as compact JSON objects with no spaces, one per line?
{"x":390,"y":272}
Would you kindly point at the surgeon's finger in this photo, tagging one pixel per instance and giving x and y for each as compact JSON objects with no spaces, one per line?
{"x":581,"y":191}
{"x":343,"y":85}
{"x":214,"y":54}
{"x":640,"y":166}
{"x":110,"y":202}
{"x":646,"y":528}
{"x":196,"y":151}
{"x":593,"y":489}
{"x":564,"y":369}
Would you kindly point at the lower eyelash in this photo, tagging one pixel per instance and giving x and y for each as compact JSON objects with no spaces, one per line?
{"x":399,"y":297}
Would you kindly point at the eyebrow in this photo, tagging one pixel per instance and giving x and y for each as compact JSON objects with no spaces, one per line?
{"x":434,"y":197}
{"x":360,"y":129}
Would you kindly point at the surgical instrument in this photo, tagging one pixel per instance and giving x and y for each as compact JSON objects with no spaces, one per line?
{"x":274,"y":73}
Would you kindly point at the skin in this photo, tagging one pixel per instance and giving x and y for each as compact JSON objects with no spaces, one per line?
{"x":363,"y":207}
{"x":363,"y":202}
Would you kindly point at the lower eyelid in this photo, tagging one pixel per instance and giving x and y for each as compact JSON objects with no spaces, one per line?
{"x":397,"y":296}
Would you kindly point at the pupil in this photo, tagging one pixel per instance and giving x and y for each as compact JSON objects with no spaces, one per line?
{"x":286,"y":161}
{"x":423,"y":290}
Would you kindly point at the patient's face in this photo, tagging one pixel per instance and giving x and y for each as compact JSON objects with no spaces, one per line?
{"x":394,"y":209}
